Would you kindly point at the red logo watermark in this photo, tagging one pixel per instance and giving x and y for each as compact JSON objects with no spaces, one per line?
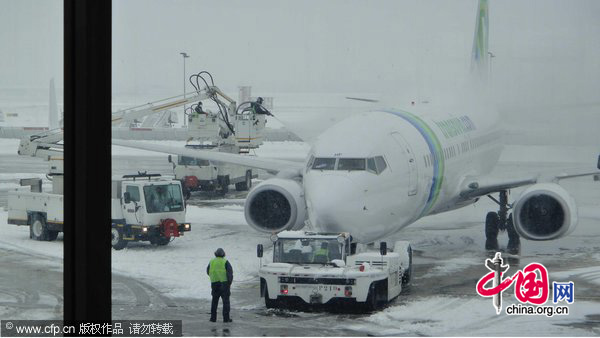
{"x":531,"y":285}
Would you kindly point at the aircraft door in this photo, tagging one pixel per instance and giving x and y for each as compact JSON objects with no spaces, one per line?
{"x":405,"y":148}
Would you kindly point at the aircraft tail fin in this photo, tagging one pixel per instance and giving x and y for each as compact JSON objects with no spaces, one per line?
{"x":480,"y":55}
{"x":53,"y":108}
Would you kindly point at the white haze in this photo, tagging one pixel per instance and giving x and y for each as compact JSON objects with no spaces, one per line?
{"x":546,"y":65}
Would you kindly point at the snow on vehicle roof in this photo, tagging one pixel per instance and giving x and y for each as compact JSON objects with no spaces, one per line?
{"x":160,"y":179}
{"x":310,"y":234}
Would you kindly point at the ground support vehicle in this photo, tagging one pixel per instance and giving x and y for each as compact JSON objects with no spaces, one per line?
{"x":142,"y":210}
{"x":302,"y":276}
{"x":146,"y":208}
{"x":202,"y":175}
{"x":41,"y":211}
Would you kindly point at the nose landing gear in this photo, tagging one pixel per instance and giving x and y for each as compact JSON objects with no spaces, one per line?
{"x":501,"y":221}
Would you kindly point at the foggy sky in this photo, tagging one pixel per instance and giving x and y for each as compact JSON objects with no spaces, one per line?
{"x":546,"y":51}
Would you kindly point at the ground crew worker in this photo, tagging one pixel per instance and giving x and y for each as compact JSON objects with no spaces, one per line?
{"x":258,"y":107}
{"x":322,"y":255}
{"x":198,"y":108}
{"x":158,"y":200}
{"x":221,"y":277}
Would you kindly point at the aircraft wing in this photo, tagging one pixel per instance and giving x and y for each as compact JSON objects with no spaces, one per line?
{"x":477,"y":186}
{"x":270,"y":165}
{"x":311,"y":116}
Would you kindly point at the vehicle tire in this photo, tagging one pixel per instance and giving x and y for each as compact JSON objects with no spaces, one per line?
{"x":160,"y":240}
{"x":224,"y":184}
{"x":38,"y":229}
{"x":491,"y":231}
{"x":117,"y":240}
{"x":371,"y":302}
{"x":406,"y":276}
{"x":52,"y":235}
{"x":247,"y":184}
{"x":514,"y":241}
{"x":248,"y":179}
{"x":270,"y":303}
{"x":187,"y":193}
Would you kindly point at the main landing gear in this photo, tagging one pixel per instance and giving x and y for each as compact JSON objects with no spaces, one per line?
{"x":501,"y":221}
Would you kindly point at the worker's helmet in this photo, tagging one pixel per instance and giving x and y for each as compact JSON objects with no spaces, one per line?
{"x":220,"y":252}
{"x":259,"y":100}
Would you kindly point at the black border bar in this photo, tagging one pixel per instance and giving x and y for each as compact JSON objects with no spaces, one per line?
{"x":87,"y":102}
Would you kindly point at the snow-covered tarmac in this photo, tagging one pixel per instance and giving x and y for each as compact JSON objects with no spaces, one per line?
{"x":150,"y":282}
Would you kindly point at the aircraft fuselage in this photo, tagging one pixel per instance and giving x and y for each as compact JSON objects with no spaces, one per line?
{"x":427,"y":157}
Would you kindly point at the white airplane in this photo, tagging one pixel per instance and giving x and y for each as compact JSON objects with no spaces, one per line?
{"x":375,"y":173}
{"x":144,"y":133}
{"x":53,"y":120}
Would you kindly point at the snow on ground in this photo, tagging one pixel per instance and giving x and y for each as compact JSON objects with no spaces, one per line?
{"x":18,"y":176}
{"x":17,"y":238}
{"x":179,"y":268}
{"x":473,"y":316}
{"x":589,"y":274}
{"x":452,"y":265}
{"x":9,"y":146}
{"x":187,"y":257}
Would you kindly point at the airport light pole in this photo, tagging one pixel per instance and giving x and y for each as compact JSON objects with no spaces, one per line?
{"x":185,"y":56}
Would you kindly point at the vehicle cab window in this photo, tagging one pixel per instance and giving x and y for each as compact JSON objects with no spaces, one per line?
{"x":185,"y":160}
{"x":163,"y":198}
{"x":308,"y":251}
{"x":134,"y":192}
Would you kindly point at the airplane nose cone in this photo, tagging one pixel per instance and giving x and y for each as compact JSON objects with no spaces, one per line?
{"x":335,"y":203}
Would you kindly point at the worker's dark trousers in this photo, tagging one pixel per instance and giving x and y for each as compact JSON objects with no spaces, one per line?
{"x":220,"y":290}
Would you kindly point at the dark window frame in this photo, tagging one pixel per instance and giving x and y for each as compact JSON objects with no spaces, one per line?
{"x":87,"y":126}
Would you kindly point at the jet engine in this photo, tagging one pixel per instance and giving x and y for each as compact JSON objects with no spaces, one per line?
{"x":545,"y":211}
{"x":275,"y":205}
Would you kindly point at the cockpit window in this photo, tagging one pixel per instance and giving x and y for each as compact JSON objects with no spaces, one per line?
{"x":371,"y":165}
{"x":381,"y":165}
{"x":324,"y":163}
{"x":351,"y":164}
{"x":310,"y":162}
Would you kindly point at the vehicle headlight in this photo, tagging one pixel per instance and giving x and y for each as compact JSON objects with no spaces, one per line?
{"x":144,"y":229}
{"x":186,"y":226}
{"x":283,"y":289}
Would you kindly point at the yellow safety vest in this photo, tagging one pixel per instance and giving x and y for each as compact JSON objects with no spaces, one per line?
{"x":322,"y":252}
{"x":217,"y":270}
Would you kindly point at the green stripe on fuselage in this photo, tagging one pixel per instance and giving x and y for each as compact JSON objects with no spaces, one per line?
{"x":435,"y":147}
